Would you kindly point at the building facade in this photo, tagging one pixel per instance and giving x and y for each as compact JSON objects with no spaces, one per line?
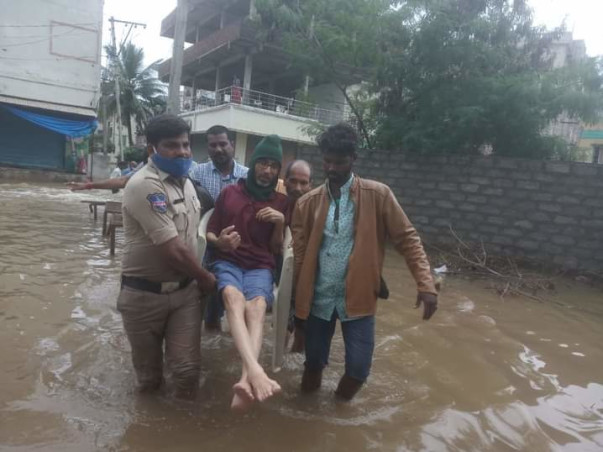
{"x":231,"y":78}
{"x":50,"y":65}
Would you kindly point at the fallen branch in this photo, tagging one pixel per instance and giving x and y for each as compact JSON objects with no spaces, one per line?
{"x":473,"y":260}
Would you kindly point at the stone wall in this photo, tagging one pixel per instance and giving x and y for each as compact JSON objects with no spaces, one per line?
{"x":548,"y":211}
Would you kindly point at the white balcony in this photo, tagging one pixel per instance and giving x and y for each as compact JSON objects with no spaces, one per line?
{"x":258,"y":113}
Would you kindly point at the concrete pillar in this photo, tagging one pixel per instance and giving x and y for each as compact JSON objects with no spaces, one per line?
{"x":306,"y":86}
{"x":248,"y":70}
{"x":222,"y":18}
{"x":173,"y":105}
{"x":252,"y":10}
{"x":218,"y":77}
{"x":194,"y":101}
{"x":247,"y":79}
{"x":240,"y":147}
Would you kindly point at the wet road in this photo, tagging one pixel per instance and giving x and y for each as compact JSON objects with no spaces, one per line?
{"x":483,"y":375}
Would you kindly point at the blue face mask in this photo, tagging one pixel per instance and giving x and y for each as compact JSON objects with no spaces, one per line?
{"x":177,"y":167}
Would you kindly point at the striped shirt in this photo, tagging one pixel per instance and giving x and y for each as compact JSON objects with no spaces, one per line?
{"x":207,"y":175}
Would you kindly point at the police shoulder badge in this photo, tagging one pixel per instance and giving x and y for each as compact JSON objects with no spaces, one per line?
{"x":158,"y":203}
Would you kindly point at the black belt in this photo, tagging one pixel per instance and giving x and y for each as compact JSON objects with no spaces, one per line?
{"x":152,"y":286}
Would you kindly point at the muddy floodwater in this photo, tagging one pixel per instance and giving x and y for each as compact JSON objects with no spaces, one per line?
{"x":483,"y":375}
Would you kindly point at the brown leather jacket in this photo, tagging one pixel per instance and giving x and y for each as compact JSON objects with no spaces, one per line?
{"x":377,"y":216}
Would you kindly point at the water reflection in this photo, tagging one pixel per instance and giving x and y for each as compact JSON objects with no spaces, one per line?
{"x":482,"y":375}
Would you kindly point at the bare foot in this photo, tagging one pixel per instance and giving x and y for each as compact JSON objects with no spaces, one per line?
{"x":263,"y":387}
{"x":243,"y":397}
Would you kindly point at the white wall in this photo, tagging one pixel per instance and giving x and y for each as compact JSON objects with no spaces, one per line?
{"x":251,"y":121}
{"x":327,"y":96}
{"x":50,"y":51}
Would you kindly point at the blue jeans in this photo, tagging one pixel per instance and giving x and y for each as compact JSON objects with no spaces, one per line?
{"x":358,"y":337}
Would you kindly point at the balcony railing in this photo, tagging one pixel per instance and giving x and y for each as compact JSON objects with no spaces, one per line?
{"x":235,"y":95}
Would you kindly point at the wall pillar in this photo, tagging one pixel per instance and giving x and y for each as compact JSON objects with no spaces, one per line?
{"x":218,"y":77}
{"x":248,"y":71}
{"x":222,"y":18}
{"x":240,"y":147}
{"x":194,"y":101}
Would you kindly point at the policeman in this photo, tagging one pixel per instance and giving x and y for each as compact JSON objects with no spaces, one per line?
{"x":162,"y":284}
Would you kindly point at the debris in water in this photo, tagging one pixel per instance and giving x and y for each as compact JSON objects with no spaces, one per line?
{"x":440,"y":270}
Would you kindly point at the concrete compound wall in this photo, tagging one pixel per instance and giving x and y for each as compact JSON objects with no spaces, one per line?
{"x":8,"y":174}
{"x":100,"y":168}
{"x":549,"y":211}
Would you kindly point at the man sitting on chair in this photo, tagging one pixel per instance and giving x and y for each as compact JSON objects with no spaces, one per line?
{"x":247,"y":230}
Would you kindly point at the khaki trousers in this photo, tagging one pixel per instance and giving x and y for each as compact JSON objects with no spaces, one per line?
{"x":150,"y":320}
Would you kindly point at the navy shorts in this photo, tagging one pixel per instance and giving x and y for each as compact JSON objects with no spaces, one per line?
{"x":251,"y":283}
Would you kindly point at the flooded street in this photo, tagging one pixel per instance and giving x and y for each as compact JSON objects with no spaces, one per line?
{"x":483,"y":375}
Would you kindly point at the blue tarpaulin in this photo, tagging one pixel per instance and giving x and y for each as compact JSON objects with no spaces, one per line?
{"x":69,"y":127}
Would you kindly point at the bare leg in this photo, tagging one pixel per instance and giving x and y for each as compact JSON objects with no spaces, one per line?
{"x":243,"y":392}
{"x":253,"y":375}
{"x":255,"y":312}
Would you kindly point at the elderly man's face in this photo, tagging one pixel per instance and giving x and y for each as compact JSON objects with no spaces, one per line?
{"x":297,"y":182}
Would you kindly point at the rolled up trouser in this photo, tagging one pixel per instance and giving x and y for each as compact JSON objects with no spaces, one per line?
{"x":149,"y":319}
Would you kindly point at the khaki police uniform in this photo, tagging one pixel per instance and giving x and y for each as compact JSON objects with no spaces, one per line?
{"x":157,"y":302}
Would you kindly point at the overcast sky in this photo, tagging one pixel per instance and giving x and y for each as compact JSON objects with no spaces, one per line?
{"x":583,"y":17}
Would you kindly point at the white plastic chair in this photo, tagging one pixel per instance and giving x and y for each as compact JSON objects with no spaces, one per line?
{"x":282,"y":292}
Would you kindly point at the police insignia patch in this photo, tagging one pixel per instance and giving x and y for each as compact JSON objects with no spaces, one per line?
{"x":158,"y":203}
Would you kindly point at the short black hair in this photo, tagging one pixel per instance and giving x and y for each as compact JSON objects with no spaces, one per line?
{"x":219,"y":130}
{"x":165,"y":126}
{"x":339,"y":138}
{"x":295,"y":162}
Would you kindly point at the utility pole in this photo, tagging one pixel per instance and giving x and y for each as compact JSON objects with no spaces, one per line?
{"x":116,"y":73}
{"x":173,"y":105}
{"x":105,"y":125}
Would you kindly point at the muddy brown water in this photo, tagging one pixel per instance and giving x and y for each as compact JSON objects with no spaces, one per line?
{"x":482,"y":375}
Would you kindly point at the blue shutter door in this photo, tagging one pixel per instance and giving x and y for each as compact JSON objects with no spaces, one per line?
{"x":23,"y":143}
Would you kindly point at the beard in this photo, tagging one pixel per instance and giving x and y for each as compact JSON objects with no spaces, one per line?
{"x":264,"y":182}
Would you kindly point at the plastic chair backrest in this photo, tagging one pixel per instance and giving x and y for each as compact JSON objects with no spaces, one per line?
{"x":202,"y":241}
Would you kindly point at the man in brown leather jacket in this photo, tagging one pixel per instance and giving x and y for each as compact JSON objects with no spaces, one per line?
{"x":339,"y":234}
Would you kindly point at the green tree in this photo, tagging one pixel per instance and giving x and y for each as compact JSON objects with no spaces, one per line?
{"x":329,"y":40}
{"x":464,"y":75}
{"x":453,"y":76}
{"x":142,"y":94}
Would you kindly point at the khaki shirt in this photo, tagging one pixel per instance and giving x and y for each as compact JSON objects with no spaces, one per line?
{"x":156,"y":209}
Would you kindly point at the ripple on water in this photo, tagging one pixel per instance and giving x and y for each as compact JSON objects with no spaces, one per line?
{"x":463,"y":381}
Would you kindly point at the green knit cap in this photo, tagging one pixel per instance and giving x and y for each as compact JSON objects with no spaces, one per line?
{"x":269,"y":148}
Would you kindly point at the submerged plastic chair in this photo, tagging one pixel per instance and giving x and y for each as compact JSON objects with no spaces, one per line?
{"x":282,"y":292}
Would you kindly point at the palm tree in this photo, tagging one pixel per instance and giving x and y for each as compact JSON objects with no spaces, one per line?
{"x":142,"y":94}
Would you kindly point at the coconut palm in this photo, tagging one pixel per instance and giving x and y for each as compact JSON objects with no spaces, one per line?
{"x":142,"y":94}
